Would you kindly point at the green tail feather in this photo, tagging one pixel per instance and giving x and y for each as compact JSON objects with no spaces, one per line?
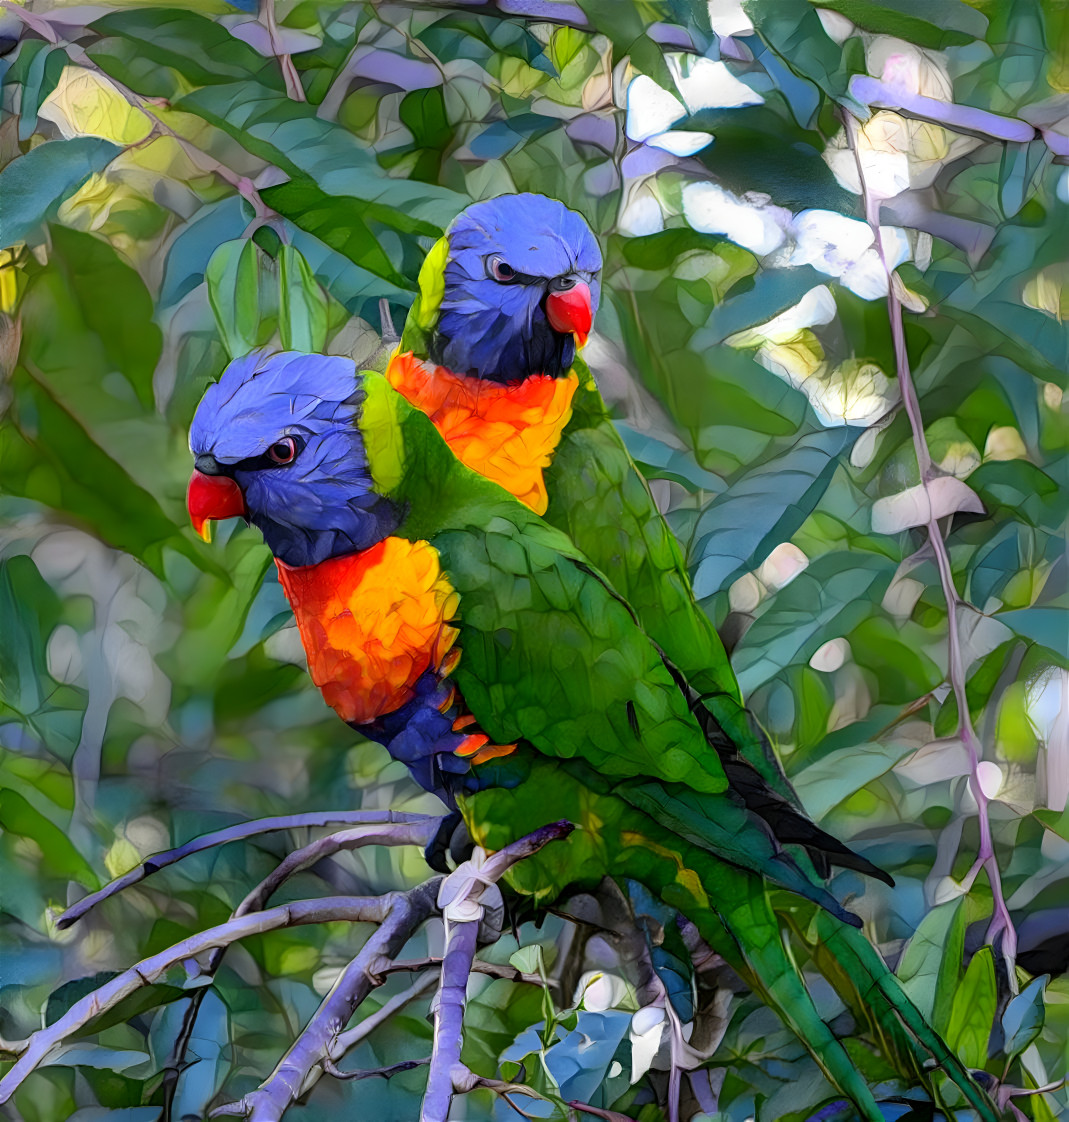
{"x":747,"y":935}
{"x":858,"y":957}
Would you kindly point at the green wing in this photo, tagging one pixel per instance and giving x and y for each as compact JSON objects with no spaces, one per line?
{"x":600,"y":500}
{"x":552,"y":656}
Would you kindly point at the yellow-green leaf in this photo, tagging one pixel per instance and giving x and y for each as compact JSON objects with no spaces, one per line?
{"x":302,"y":304}
{"x":973,"y":1010}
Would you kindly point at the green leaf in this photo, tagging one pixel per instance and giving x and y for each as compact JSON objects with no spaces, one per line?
{"x":957,"y":23}
{"x":931,"y":964}
{"x":233,"y":276}
{"x":29,"y":610}
{"x":302,"y":319}
{"x":826,"y":783}
{"x":527,"y":959}
{"x":60,"y":858}
{"x":37,"y":68}
{"x":1022,"y":165}
{"x":972,"y":1012}
{"x":148,"y":48}
{"x":764,"y":507}
{"x":47,"y":455}
{"x":564,"y":44}
{"x":34,"y":186}
{"x":1049,"y":626}
{"x":191,"y":250}
{"x":113,"y":303}
{"x":1024,"y":1016}
{"x":1055,"y":821}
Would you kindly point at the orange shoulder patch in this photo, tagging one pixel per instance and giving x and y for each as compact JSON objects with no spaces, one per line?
{"x":372,"y":623}
{"x":506,"y":432}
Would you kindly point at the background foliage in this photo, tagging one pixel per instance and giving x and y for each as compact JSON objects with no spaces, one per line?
{"x":158,"y":162}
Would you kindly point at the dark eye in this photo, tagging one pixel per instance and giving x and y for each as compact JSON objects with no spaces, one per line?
{"x":501,"y":270}
{"x":284,"y":451}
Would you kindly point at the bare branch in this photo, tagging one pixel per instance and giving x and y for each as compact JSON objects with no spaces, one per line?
{"x":418,"y":832}
{"x":608,"y":1115}
{"x":383,"y":1072}
{"x":1001,"y":923}
{"x":350,"y":1039}
{"x":461,"y":940}
{"x":238,"y":832}
{"x":460,"y":898}
{"x":960,"y":118}
{"x":491,"y":969}
{"x":330,"y":909}
{"x":294,"y":89}
{"x":301,"y":1065}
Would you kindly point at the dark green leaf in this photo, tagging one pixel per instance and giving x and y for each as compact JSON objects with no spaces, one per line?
{"x":59,"y":856}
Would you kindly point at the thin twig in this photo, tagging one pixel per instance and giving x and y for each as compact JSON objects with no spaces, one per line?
{"x":238,"y":832}
{"x":346,"y":1041}
{"x":204,"y":160}
{"x":608,"y":1115}
{"x":330,"y":909}
{"x":1001,"y":922}
{"x":491,"y":969}
{"x":294,"y":89}
{"x":463,"y":913}
{"x":419,"y":832}
{"x":387,"y":1072}
{"x":300,"y":1066}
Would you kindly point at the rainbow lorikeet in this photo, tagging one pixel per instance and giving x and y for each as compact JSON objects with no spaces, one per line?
{"x":448,"y":620}
{"x":489,"y":353}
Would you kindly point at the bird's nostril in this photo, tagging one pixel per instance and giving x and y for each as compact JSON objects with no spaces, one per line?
{"x":207,"y":464}
{"x":562,"y":284}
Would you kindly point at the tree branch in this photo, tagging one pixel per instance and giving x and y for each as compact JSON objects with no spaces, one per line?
{"x":352,"y":909}
{"x":460,"y":899}
{"x":491,"y":969}
{"x":418,"y":832}
{"x":608,"y":1115}
{"x":294,"y":89}
{"x":387,"y":1072}
{"x":238,"y":832}
{"x":297,"y":1069}
{"x":1001,"y":923}
{"x":349,"y":1040}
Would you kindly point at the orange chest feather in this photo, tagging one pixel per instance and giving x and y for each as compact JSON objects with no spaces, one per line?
{"x":507,"y":433}
{"x":372,"y":623}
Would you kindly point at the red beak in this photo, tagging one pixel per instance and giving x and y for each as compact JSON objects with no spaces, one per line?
{"x":210,"y":497}
{"x":570,"y":312}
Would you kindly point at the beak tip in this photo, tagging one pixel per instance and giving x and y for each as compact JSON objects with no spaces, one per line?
{"x":211,"y":497}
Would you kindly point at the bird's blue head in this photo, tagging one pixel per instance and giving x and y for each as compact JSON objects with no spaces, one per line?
{"x":277,"y":441}
{"x":520,"y":289}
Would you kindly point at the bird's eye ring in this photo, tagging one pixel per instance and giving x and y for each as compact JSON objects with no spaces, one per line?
{"x":283,"y":451}
{"x":501,"y":270}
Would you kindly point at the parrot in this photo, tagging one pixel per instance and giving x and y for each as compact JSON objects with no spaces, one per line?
{"x":446,"y":619}
{"x":489,"y":352}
